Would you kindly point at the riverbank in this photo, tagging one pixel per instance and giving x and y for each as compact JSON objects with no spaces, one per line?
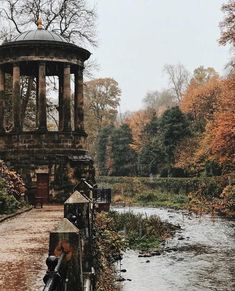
{"x":214,"y":195}
{"x":115,"y":232}
{"x":200,"y":256}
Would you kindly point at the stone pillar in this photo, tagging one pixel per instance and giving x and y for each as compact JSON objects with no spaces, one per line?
{"x":42,"y":112}
{"x":67,"y":99}
{"x":78,"y":101}
{"x":61,"y":102}
{"x":2,"y":102}
{"x":37,"y":98}
{"x":65,"y":242}
{"x":16,"y":98}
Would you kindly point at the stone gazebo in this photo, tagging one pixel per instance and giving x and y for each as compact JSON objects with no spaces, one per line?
{"x":52,"y":162}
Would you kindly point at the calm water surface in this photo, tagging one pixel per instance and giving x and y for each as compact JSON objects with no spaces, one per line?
{"x":203,"y":260}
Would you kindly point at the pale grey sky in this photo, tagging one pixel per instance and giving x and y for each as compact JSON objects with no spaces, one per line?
{"x":137,"y":37}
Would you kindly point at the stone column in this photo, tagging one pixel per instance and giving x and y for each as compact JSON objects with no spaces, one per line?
{"x":2,"y":102}
{"x":67,"y":99}
{"x":61,"y":102}
{"x":37,"y":98}
{"x":42,"y":111}
{"x":16,"y":98}
{"x":78,"y":101}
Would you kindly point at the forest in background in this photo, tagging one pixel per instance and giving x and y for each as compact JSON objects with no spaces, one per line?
{"x":186,"y":130}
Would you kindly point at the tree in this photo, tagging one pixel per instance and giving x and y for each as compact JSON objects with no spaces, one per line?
{"x":103,"y":156}
{"x":73,"y":19}
{"x":202,"y":75}
{"x":137,"y":121}
{"x":102,"y":99}
{"x":123,"y":156}
{"x":151,"y":156}
{"x":201,"y":101}
{"x":101,"y":104}
{"x":157,"y":102}
{"x":228,"y":24}
{"x":218,"y":142}
{"x":178,"y":79}
{"x":174,"y":127}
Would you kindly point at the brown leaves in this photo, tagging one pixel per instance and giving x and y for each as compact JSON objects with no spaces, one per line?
{"x":14,"y":182}
{"x":228,"y":24}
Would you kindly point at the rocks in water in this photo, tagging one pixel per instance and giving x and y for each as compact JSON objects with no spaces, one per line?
{"x":149,"y":254}
{"x":181,"y":238}
{"x":120,"y":279}
{"x":123,"y":270}
{"x":169,"y":250}
{"x":146,"y":255}
{"x":148,"y":261}
{"x":156,"y":253}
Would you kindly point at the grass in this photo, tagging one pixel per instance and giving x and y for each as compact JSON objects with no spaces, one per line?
{"x":158,"y":199}
{"x":142,"y":232}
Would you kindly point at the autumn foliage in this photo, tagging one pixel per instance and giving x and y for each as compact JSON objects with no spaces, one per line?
{"x":201,"y":100}
{"x":212,"y":106}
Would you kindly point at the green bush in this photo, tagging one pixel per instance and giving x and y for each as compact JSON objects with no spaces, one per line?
{"x":132,"y":186}
{"x":9,"y":203}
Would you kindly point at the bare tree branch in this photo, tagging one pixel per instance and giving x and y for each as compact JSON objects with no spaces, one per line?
{"x":73,"y":19}
{"x":178,"y":79}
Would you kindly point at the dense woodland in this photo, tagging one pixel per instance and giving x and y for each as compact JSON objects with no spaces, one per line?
{"x":186,"y":135}
{"x":186,"y":130}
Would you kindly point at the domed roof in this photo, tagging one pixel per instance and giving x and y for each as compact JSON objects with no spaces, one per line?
{"x":39,"y":35}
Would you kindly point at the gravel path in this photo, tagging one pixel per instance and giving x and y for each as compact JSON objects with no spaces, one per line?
{"x":24,"y":246}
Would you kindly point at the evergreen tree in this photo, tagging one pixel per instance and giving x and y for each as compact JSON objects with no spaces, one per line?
{"x":103,"y":155}
{"x":151,"y":155}
{"x":123,"y":156}
{"x":174,"y":127}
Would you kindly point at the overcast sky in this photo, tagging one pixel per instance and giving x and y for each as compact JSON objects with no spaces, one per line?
{"x":137,"y":37}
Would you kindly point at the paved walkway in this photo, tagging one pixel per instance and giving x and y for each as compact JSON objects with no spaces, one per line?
{"x":24,"y":246}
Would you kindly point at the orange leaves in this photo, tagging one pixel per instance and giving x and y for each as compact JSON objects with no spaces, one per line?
{"x":223,"y":132}
{"x":136,"y":121}
{"x":213,"y":103}
{"x":201,"y":100}
{"x":222,"y":128}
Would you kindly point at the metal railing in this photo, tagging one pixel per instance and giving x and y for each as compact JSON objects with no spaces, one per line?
{"x":53,"y":278}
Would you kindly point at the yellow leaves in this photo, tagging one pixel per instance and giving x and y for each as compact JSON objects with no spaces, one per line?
{"x":136,"y":121}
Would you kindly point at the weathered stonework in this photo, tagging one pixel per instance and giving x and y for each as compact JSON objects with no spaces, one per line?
{"x":49,"y":161}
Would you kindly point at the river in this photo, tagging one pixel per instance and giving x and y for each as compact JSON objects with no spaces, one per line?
{"x":201,"y":256}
